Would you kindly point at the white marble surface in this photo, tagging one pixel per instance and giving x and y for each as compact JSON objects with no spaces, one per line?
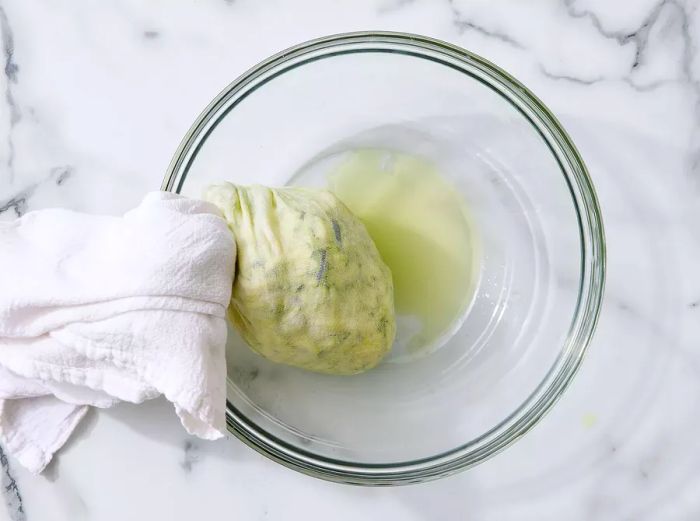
{"x":95,"y":98}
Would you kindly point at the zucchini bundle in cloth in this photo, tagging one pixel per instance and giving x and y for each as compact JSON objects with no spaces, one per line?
{"x":310,"y":288}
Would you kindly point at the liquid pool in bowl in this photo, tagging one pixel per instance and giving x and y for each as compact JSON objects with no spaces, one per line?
{"x":485,"y":372}
{"x":423,"y":231}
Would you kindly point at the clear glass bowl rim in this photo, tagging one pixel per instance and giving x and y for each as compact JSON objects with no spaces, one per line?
{"x":591,"y":234}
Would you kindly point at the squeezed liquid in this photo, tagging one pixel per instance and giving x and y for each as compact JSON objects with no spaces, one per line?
{"x":422,"y":230}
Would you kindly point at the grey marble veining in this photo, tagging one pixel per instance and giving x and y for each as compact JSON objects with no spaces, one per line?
{"x":463,"y":24}
{"x":11,"y":493}
{"x":10,"y":70}
{"x":96,"y":97}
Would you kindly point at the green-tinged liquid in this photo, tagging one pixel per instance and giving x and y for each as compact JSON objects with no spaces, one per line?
{"x":422,"y":230}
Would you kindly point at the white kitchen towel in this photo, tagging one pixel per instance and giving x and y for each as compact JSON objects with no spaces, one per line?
{"x":97,"y":309}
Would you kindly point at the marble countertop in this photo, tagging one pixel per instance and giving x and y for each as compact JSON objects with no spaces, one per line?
{"x":96,"y":97}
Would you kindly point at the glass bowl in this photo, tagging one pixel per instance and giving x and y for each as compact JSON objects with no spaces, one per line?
{"x":538,"y":248}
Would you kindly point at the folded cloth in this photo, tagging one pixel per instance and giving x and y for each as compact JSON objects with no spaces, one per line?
{"x":96,"y":309}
